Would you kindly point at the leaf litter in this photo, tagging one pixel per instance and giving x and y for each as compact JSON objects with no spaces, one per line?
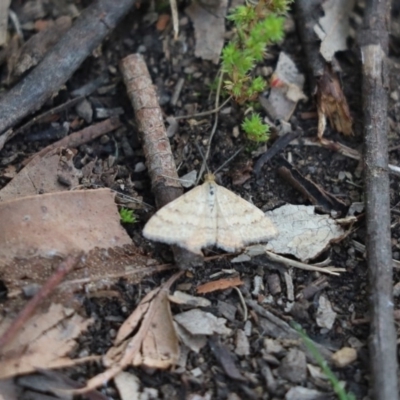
{"x":43,"y":342}
{"x":59,"y":224}
{"x":154,"y":342}
{"x":164,"y":308}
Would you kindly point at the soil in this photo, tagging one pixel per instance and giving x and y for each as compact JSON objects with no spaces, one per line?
{"x":169,"y":61}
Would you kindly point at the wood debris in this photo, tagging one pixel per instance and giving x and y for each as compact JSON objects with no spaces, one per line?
{"x":220,"y":284}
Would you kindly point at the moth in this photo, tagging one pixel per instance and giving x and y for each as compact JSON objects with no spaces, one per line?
{"x":210,"y":215}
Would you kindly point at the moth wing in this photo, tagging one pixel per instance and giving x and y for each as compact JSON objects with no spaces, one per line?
{"x":239,"y":222}
{"x":186,"y":221}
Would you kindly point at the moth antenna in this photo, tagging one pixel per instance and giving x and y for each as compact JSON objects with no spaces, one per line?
{"x":214,"y":128}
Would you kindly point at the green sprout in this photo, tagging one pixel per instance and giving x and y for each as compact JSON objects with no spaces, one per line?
{"x":337,"y":387}
{"x":127,"y":216}
{"x":255,"y":128}
{"x":257,"y":26}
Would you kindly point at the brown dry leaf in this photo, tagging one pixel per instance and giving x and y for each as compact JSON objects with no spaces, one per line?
{"x":332,"y":104}
{"x":43,"y":342}
{"x":95,"y":273}
{"x":155,"y":343}
{"x":334,"y":27}
{"x":54,"y":172}
{"x":59,"y":224}
{"x":286,"y":89}
{"x":209,"y":28}
{"x":302,"y":233}
{"x":162,"y":22}
{"x":220,"y":284}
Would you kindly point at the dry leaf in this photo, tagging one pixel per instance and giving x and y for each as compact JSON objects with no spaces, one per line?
{"x":53,"y":172}
{"x":193,"y":342}
{"x":286,"y":89}
{"x":43,"y":342}
{"x":332,"y":103}
{"x":59,"y":224}
{"x":302,"y":233}
{"x":154,"y":344}
{"x":209,"y":28}
{"x":220,"y":284}
{"x":334,"y":27}
{"x":183,"y":298}
{"x":199,"y":322}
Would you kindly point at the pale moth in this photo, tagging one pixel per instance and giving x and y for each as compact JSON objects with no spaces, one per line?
{"x":209,"y":215}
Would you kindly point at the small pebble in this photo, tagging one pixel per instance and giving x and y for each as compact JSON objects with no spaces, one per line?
{"x":344,"y":357}
{"x":140,"y":167}
{"x":30,"y":290}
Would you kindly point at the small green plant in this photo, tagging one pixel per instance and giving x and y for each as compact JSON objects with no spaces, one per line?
{"x":257,"y":26}
{"x":127,"y":216}
{"x":255,"y":128}
{"x":337,"y":387}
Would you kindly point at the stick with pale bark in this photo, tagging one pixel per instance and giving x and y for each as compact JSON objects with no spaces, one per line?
{"x":373,"y":40}
{"x":156,"y":146}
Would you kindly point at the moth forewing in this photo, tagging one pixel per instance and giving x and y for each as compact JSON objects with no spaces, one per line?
{"x":240,"y":222}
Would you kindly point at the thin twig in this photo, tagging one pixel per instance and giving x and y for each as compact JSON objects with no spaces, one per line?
{"x":242,"y":301}
{"x":213,"y":130}
{"x":205,"y":113}
{"x":297,"y":264}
